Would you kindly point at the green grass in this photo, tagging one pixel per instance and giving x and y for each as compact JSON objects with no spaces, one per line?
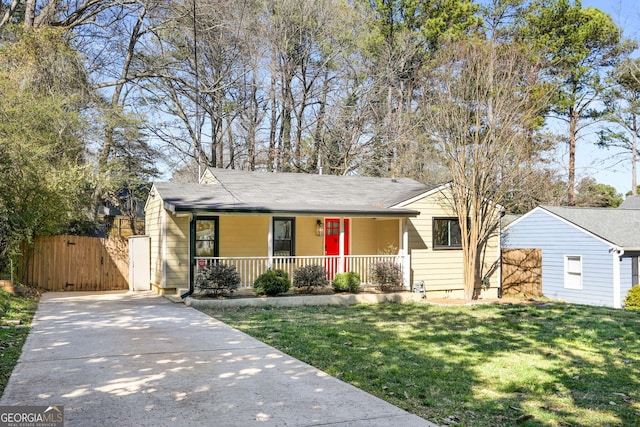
{"x":13,"y":308}
{"x":483,"y":365}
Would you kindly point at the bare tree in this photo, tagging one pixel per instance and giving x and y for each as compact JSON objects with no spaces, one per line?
{"x":479,"y":115}
{"x":307,"y":41}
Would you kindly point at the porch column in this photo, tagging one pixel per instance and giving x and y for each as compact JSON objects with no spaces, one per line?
{"x":404,"y":251}
{"x":270,"y":243}
{"x":616,"y":280}
{"x":341,"y":245}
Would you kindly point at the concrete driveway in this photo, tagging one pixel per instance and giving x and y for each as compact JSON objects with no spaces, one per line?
{"x":136,"y":359}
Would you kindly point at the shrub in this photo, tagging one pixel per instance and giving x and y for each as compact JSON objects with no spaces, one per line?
{"x":272,"y":282}
{"x":386,"y":276}
{"x":310,"y":277}
{"x":217,"y":280}
{"x":632,"y":301}
{"x":346,"y":282}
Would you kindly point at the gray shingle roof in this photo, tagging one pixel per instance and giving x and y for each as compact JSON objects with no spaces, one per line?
{"x":631,"y":202}
{"x":620,"y":227}
{"x":242,"y":191}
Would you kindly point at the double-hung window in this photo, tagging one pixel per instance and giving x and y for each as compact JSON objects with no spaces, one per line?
{"x":573,"y":272}
{"x":284,"y":236}
{"x":206,"y":242}
{"x":446,"y":233}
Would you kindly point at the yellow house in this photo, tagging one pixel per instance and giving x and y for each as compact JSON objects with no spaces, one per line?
{"x":259,"y":220}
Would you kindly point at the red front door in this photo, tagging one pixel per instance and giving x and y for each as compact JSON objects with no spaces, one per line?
{"x":332,"y":243}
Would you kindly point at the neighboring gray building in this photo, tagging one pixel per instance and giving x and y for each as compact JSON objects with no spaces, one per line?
{"x":631,"y":202}
{"x":589,"y":255}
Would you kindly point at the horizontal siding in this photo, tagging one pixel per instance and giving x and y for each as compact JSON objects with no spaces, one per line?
{"x":247,"y":235}
{"x":556,"y":238}
{"x":388,"y":232}
{"x":370,"y":236}
{"x":364,"y":236}
{"x":177,"y":243}
{"x":242,"y":235}
{"x":442,"y":270}
{"x":153,"y":229}
{"x":308,"y":243}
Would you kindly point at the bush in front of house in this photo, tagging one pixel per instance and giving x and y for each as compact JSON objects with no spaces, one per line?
{"x":310,"y":277}
{"x":217,"y":280}
{"x":632,"y":301}
{"x":272,"y":282}
{"x":346,"y":282}
{"x":386,"y":276}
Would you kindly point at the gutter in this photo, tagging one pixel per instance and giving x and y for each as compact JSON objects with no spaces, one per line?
{"x":380,"y":213}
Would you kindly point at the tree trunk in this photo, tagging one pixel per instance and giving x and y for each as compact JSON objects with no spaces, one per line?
{"x":231,"y":143}
{"x":634,"y":157}
{"x":573,"y":124}
{"x":317,"y":135}
{"x":286,"y":125}
{"x":253,"y":124}
{"x":30,"y":13}
{"x":273,"y":119}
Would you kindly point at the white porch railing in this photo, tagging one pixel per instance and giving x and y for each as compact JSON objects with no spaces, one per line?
{"x":251,"y":267}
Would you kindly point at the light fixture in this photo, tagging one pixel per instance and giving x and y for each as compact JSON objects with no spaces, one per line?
{"x":319,"y":228}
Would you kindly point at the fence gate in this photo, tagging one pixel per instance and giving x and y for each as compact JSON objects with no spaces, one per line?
{"x":522,"y":272}
{"x":76,"y":263}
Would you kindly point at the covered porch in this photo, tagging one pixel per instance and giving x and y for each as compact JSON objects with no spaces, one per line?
{"x":254,"y":244}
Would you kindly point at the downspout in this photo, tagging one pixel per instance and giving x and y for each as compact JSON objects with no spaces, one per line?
{"x":192,"y":246}
{"x":617,"y":254}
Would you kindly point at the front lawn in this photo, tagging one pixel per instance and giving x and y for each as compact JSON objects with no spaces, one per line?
{"x":480,"y":365}
{"x":16,"y":314}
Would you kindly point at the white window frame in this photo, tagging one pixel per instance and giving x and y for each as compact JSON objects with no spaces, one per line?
{"x":572,"y":279}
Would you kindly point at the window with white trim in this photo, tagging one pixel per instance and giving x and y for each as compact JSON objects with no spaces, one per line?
{"x":573,"y":271}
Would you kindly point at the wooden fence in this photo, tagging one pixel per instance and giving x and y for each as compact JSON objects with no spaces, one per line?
{"x":522,"y":272}
{"x":76,"y":263}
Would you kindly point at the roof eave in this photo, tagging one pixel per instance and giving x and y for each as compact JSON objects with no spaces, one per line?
{"x":172,"y":208}
{"x":387,"y":213}
{"x":630,"y":249}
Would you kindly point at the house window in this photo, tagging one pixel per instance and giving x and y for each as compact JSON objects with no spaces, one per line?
{"x":573,"y":271}
{"x":446,"y":233}
{"x":284,"y":233}
{"x":205,"y":238}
